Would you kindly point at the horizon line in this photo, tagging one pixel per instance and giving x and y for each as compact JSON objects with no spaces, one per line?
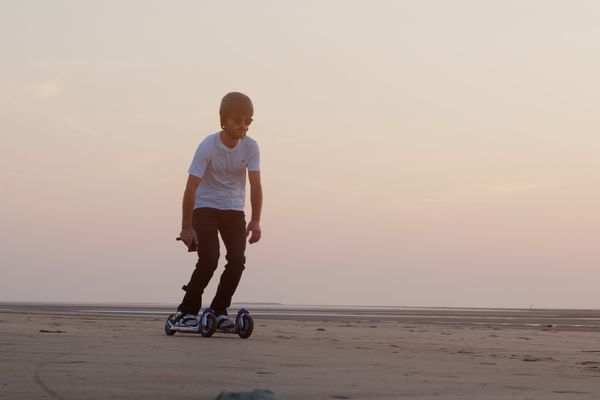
{"x":280,"y":304}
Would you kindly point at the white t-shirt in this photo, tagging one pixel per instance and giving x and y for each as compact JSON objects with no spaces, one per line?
{"x":223,"y":172}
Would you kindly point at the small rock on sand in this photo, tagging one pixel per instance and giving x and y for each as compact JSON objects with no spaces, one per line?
{"x":258,"y":394}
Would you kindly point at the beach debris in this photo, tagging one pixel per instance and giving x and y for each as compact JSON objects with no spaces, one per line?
{"x":593,"y":365}
{"x":536,"y":359}
{"x":569,"y":392}
{"x":52,"y":331}
{"x":258,"y":394}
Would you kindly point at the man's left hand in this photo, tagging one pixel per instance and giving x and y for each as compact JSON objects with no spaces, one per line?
{"x":253,"y":230}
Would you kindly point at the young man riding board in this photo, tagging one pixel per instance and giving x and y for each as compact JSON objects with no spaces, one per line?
{"x":213,"y":204}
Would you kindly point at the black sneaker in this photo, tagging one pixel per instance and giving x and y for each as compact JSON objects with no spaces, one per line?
{"x":186,"y":321}
{"x":224,"y":322}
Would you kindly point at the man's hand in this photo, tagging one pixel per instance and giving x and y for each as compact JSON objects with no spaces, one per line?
{"x":253,"y":230}
{"x":188,"y":236}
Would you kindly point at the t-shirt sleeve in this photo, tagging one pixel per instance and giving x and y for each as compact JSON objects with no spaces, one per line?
{"x":200,"y":161}
{"x":254,"y":160}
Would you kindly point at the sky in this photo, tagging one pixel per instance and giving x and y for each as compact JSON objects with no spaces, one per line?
{"x":413,"y":153}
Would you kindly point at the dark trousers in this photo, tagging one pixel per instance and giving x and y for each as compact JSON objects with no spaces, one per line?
{"x":208,"y":223}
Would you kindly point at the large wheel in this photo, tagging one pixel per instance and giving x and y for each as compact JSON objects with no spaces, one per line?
{"x":168,"y":330}
{"x":245,"y":326}
{"x":208,"y":324}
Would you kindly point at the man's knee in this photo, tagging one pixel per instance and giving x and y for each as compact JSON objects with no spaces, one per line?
{"x":236,"y":262}
{"x":208,"y":257}
{"x":208,"y":264}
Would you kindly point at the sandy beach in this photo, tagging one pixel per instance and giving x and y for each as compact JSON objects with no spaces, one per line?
{"x":64,"y":355}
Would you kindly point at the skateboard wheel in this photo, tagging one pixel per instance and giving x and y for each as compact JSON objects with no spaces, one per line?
{"x":168,"y":330}
{"x":245,"y":325}
{"x":208,"y":324}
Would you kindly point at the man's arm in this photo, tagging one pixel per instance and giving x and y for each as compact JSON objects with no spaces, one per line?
{"x":256,"y":200}
{"x":188,"y":235}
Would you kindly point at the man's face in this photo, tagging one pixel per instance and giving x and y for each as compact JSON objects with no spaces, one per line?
{"x":237,"y":125}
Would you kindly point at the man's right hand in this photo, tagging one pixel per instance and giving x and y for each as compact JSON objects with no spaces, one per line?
{"x":188,"y":236}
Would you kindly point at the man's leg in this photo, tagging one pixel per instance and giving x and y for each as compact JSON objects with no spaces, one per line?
{"x":232,"y":226}
{"x":205,"y":224}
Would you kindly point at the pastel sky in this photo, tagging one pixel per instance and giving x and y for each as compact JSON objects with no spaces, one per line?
{"x":417,"y":153}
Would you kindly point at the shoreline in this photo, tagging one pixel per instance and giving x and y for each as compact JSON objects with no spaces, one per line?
{"x":235,"y":304}
{"x":557,"y":319}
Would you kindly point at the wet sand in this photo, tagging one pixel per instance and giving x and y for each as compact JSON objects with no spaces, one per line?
{"x":66,"y":352}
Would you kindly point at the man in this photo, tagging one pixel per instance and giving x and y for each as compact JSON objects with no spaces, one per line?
{"x":213,"y":203}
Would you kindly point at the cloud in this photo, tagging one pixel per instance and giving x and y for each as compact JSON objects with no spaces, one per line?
{"x":75,"y":125}
{"x":485,"y":192}
{"x":47,"y":90}
{"x":19,"y":175}
{"x":512,"y":188}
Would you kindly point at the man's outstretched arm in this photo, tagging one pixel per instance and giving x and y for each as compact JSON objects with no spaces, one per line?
{"x":256,"y":200}
{"x":188,"y":235}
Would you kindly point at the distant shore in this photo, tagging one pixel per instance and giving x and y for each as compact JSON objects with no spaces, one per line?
{"x":562,"y":319}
